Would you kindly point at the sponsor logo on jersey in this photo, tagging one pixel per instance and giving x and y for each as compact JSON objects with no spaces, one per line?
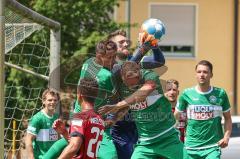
{"x":53,"y":136}
{"x":204,"y":112}
{"x":139,"y":106}
{"x":45,"y":135}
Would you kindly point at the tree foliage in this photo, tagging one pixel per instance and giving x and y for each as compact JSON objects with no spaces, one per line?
{"x":83,"y":22}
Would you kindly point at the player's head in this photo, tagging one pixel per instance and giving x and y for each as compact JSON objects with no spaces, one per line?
{"x":87,"y":90}
{"x":50,"y":99}
{"x":130,"y":73}
{"x":204,"y":72}
{"x":106,"y":53}
{"x":123,"y":43}
{"x":172,"y":91}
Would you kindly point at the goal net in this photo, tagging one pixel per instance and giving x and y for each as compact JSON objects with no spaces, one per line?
{"x":31,"y":55}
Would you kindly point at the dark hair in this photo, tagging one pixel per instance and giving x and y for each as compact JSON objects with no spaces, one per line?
{"x":172,"y":81}
{"x":88,"y":88}
{"x":130,"y":66}
{"x":50,"y":91}
{"x":205,"y":63}
{"x":106,"y":46}
{"x":117,"y":32}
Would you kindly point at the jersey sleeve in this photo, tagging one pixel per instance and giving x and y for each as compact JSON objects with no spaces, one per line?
{"x":149,"y":75}
{"x":106,"y":82}
{"x":77,"y":128}
{"x":154,"y":61}
{"x":34,"y":125}
{"x":182,"y":103}
{"x":226,"y":103}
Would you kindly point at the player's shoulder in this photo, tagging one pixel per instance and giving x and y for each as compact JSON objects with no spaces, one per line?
{"x":90,"y":60}
{"x":146,"y":71}
{"x":218,"y":89}
{"x":189,"y":90}
{"x":149,"y":74}
{"x":38,"y":115}
{"x":38,"y":118}
{"x":85,"y":115}
{"x":89,"y":117}
{"x":105,"y":77}
{"x":104,"y":73}
{"x":90,"y":63}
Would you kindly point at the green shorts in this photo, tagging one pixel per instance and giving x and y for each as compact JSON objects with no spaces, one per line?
{"x":107,"y":149}
{"x":169,"y":147}
{"x":209,"y":153}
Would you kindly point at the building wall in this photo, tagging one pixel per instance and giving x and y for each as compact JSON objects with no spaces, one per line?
{"x":238,"y":72}
{"x":214,"y":40}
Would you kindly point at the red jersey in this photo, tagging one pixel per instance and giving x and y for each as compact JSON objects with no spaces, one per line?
{"x":90,"y":127}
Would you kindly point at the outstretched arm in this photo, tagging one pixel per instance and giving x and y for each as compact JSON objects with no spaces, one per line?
{"x":138,"y":96}
{"x":157,"y":60}
{"x":148,"y":62}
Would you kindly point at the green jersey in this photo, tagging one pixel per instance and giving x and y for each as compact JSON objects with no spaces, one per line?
{"x":106,"y":83}
{"x":41,"y":126}
{"x":153,"y":117}
{"x":204,"y":113}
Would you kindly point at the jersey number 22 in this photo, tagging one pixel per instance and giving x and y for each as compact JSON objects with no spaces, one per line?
{"x":94,"y":141}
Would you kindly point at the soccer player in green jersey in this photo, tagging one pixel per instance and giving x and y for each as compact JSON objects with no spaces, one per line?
{"x":40,"y":134}
{"x":205,"y":105}
{"x":99,"y":68}
{"x":151,"y":112}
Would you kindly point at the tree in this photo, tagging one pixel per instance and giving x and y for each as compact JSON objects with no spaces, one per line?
{"x":83,"y":24}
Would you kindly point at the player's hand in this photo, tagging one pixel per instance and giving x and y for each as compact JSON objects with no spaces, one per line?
{"x":59,"y":126}
{"x":183,"y":116}
{"x":145,"y":38}
{"x":108,"y":123}
{"x":223,"y":142}
{"x":107,"y":109}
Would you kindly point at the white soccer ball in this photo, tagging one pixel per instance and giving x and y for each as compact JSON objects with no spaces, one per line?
{"x":154,"y":27}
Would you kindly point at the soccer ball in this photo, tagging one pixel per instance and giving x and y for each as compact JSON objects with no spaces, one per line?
{"x":154,"y":27}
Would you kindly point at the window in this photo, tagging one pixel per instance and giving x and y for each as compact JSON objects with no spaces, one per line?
{"x":235,"y":130}
{"x":180,"y":23}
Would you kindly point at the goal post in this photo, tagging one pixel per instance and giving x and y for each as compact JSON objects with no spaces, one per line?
{"x":54,"y":39}
{"x":2,"y":76}
{"x":36,"y":61}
